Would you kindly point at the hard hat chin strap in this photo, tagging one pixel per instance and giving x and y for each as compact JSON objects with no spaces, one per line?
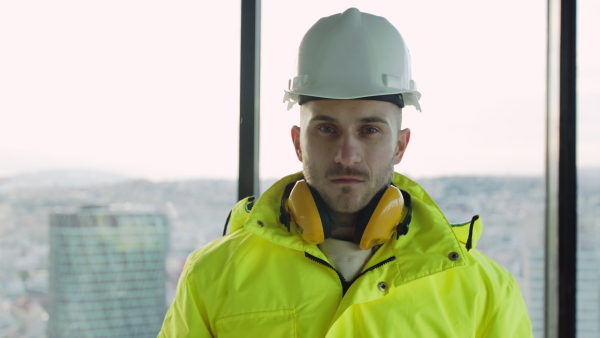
{"x":392,"y":98}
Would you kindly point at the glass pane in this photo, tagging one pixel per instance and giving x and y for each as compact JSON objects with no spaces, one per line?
{"x":588,"y":148}
{"x":479,"y":144}
{"x":118,"y":157}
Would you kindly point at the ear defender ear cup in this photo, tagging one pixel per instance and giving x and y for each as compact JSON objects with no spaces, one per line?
{"x":362,"y":220}
{"x":380,"y":218}
{"x":323,"y":214}
{"x":308,"y":210}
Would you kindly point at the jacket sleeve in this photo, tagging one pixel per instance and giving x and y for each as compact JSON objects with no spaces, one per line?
{"x":510,"y":318}
{"x":187,"y":315}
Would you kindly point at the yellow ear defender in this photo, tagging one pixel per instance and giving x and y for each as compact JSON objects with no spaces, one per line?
{"x":390,"y":210}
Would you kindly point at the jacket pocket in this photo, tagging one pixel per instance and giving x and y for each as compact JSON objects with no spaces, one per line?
{"x":276,"y":323}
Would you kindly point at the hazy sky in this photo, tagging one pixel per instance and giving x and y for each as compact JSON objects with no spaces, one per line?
{"x":151,"y":88}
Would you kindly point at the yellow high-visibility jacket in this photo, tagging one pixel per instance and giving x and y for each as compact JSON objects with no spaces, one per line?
{"x":262,"y":280}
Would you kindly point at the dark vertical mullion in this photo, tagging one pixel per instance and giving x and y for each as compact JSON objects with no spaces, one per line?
{"x":567,"y":186}
{"x":248,"y":181}
{"x":561,"y":178}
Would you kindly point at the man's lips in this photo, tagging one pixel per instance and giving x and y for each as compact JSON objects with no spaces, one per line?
{"x":346,"y":180}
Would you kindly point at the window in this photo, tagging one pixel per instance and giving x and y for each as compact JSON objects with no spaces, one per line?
{"x":478,"y":147}
{"x":588,"y":146}
{"x":119,"y":115}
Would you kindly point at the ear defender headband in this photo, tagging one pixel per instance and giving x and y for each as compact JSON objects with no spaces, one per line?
{"x":390,"y":210}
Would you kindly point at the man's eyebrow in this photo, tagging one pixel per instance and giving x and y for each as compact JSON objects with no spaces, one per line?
{"x":374,"y":119}
{"x":369,"y":119}
{"x":323,"y":118}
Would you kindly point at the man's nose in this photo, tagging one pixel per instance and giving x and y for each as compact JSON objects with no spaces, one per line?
{"x":348,"y":152}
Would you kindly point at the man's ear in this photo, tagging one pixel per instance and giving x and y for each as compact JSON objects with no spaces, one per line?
{"x":296,"y":141}
{"x":403,"y":139}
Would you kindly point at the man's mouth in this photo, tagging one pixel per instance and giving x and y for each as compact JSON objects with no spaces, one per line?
{"x":346,"y":180}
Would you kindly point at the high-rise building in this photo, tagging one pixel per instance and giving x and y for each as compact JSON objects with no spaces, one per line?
{"x":107,"y":273}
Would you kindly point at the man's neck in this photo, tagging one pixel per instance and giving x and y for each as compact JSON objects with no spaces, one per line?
{"x":344,"y":225}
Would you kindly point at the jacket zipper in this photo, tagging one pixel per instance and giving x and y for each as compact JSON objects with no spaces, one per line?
{"x":345,"y":284}
{"x":384,"y":262}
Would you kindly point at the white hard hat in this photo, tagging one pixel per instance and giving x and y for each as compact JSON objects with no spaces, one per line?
{"x":352,"y":55}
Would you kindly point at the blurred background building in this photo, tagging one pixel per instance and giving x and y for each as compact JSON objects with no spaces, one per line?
{"x":107,"y":273}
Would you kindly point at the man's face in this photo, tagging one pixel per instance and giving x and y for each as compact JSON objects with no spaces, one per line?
{"x":348,"y":149}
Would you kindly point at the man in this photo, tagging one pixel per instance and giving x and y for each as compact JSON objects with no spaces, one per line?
{"x":347,"y":247}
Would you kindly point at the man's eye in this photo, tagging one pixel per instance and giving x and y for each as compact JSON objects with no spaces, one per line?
{"x":326,"y":129}
{"x":370,"y":130}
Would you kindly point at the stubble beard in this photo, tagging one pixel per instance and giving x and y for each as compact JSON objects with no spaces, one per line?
{"x":347,"y":201}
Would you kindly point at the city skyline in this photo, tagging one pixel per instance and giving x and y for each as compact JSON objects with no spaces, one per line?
{"x":197,"y":210}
